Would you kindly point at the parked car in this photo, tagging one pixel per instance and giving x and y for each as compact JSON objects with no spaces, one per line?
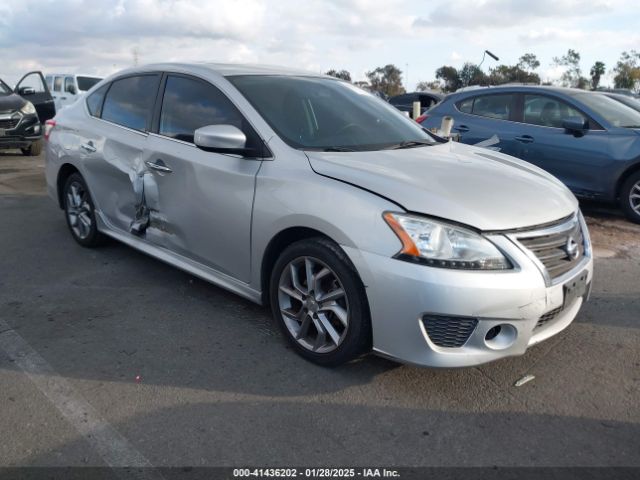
{"x":21,"y":112}
{"x":620,"y":91}
{"x":587,"y":140}
{"x":67,"y":88}
{"x":300,"y":191}
{"x":404,"y":102}
{"x":625,"y":100}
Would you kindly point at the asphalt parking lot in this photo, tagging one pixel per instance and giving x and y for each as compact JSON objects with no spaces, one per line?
{"x":183,"y":373}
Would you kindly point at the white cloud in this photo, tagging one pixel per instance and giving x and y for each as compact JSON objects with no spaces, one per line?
{"x":465,"y":14}
{"x":99,"y":36}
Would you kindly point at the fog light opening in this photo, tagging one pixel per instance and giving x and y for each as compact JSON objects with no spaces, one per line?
{"x":492,"y":333}
{"x":501,"y":336}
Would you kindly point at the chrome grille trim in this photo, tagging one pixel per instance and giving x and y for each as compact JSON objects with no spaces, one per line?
{"x":546,"y":248}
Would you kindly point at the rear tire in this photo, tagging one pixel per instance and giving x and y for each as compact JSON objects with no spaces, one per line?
{"x":319,"y":302}
{"x":33,"y":150}
{"x":80,"y":212}
{"x":630,"y":197}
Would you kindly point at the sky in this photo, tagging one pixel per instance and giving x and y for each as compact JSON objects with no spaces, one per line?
{"x":103,"y":36}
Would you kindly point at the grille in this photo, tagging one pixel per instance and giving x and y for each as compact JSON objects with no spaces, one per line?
{"x":449,"y":331}
{"x":553,"y":250}
{"x":547,"y":317}
{"x":9,"y":123}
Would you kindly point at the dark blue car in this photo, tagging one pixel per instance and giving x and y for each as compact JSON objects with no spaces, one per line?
{"x":587,"y":140}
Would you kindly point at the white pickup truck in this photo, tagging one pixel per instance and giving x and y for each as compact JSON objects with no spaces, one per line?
{"x":66,"y":88}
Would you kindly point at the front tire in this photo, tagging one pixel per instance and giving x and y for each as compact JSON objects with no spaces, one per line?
{"x":33,"y":150}
{"x":80,"y":212}
{"x":319,"y":302}
{"x":630,"y":197}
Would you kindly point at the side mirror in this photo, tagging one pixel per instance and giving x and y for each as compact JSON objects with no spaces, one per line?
{"x":26,"y":91}
{"x":575,"y":125}
{"x":221,"y":139}
{"x":72,"y":89}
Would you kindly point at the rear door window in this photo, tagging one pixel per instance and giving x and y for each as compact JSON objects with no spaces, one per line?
{"x":57,"y":84}
{"x":130,"y":101}
{"x":493,"y":106}
{"x":69,"y":84}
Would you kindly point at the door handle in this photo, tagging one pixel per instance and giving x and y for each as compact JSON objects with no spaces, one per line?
{"x":461,"y":128}
{"x":63,"y":98}
{"x":158,"y":165}
{"x":525,"y":139}
{"x":88,"y":147}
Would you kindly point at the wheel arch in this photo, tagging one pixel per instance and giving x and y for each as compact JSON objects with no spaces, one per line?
{"x":634,"y":168}
{"x":65,"y":171}
{"x":278,"y":243}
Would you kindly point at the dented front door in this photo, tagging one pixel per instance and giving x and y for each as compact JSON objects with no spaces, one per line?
{"x":201,"y":205}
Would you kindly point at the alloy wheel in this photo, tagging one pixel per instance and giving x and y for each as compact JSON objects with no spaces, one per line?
{"x":313,"y":304}
{"x":634,"y":198}
{"x":79,"y":210}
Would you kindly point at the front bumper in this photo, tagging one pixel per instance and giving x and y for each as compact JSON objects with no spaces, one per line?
{"x":400,"y":294}
{"x":23,"y":134}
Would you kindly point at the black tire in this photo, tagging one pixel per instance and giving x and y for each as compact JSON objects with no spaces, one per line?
{"x":631,"y":186}
{"x":357,"y":338}
{"x":33,"y":150}
{"x":93,"y":237}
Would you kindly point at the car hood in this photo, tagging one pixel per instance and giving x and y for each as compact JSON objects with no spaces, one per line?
{"x":10,"y":103}
{"x":470,"y":185}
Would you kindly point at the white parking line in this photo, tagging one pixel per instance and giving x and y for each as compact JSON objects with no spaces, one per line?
{"x":114,"y":449}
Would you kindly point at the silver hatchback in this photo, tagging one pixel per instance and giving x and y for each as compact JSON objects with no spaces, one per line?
{"x":362,"y":231}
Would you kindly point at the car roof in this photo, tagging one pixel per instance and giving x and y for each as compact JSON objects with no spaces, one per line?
{"x":226,"y":69}
{"x":57,"y":74}
{"x":521,"y":88}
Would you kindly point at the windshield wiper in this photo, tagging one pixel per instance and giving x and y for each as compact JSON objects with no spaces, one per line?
{"x":338,"y":149}
{"x":408,"y":144}
{"x":631,"y":126}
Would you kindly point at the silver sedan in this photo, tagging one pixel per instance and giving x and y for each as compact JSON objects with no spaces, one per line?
{"x":360,"y":230}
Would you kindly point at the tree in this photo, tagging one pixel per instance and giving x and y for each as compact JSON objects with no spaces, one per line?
{"x":450,"y":78}
{"x":386,"y":80}
{"x":472,"y":74}
{"x":342,"y":74}
{"x":572,"y":74}
{"x":627,"y":70}
{"x":433,"y":85}
{"x":511,"y":74}
{"x":596,"y":72}
{"x":528,"y":61}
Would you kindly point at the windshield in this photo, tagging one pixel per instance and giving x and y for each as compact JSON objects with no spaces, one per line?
{"x":4,"y":89}
{"x":311,"y":113}
{"x":85,"y":83}
{"x":616,"y":113}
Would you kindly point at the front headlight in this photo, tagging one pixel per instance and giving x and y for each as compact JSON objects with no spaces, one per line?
{"x":28,"y":109}
{"x":438,"y":244}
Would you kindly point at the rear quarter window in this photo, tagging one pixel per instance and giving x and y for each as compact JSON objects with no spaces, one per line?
{"x":95,"y":100}
{"x":465,"y":106}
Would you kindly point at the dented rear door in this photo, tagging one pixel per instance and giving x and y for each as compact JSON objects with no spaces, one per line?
{"x":114,"y":147}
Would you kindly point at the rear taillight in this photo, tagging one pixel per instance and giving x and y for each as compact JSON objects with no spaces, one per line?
{"x":422,"y":118}
{"x":48,"y":126}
